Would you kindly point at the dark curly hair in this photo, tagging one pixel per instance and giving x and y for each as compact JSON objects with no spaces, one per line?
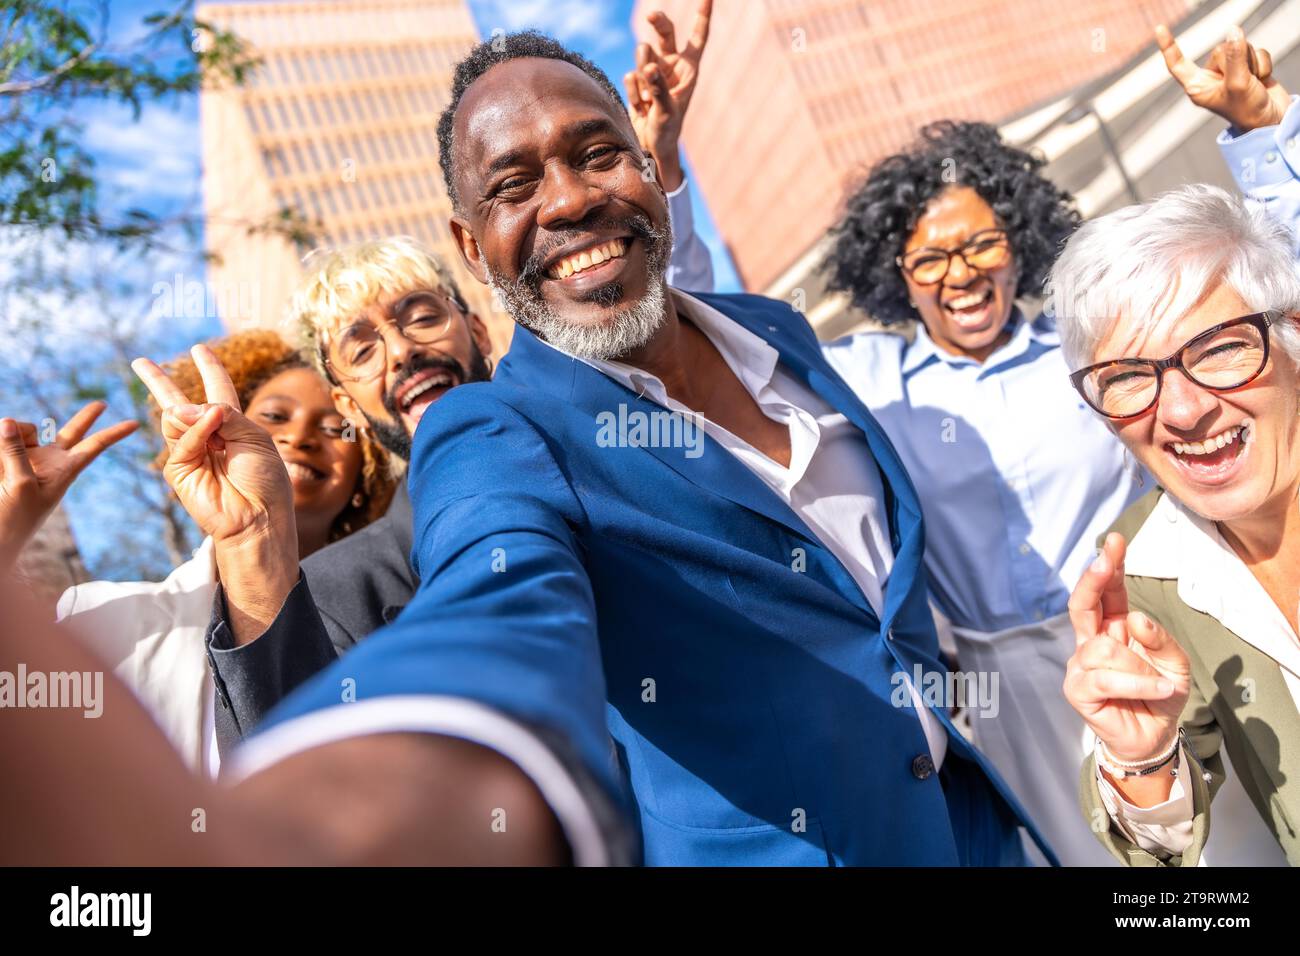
{"x":501,"y":49}
{"x":882,"y":214}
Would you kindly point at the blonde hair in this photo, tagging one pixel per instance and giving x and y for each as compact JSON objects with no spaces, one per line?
{"x":341,"y":281}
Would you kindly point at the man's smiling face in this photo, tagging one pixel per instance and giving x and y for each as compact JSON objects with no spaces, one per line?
{"x":554,"y":210}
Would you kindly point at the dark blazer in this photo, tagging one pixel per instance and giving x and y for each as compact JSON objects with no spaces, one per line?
{"x":347,"y":590}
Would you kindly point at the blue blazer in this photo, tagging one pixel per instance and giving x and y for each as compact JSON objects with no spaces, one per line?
{"x":650,"y":596}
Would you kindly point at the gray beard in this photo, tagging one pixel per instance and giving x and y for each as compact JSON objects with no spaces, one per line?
{"x":625,"y":331}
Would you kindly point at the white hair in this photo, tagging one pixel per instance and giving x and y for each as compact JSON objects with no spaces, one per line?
{"x":1151,"y":263}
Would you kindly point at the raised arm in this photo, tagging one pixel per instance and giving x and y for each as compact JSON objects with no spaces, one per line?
{"x":1260,"y":145}
{"x":232,"y":482}
{"x":659,"y":92}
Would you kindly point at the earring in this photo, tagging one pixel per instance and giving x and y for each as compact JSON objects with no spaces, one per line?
{"x":358,"y":500}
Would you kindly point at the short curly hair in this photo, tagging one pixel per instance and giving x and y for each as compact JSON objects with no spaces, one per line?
{"x":882,"y":214}
{"x":251,"y":359}
{"x":502,"y":48}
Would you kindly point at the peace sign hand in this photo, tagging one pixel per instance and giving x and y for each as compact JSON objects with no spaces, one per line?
{"x":1128,"y":678}
{"x":1236,"y":82}
{"x":660,"y":88}
{"x":224,"y":469}
{"x":35,"y":477}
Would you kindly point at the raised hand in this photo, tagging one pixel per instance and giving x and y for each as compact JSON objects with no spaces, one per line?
{"x":1128,"y":678}
{"x":1236,"y":82}
{"x":224,"y":469}
{"x":229,"y":477}
{"x":34,"y":477}
{"x":660,"y":89}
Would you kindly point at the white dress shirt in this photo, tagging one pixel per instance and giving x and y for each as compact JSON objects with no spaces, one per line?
{"x":1177,"y":544}
{"x":151,"y":634}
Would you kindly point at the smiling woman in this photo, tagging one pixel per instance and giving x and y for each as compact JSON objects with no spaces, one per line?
{"x":1016,"y":477}
{"x":1183,"y":313}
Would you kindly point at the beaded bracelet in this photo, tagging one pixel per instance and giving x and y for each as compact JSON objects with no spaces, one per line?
{"x":1137,"y":768}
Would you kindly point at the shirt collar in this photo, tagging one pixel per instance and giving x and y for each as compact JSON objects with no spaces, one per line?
{"x":1040,"y":333}
{"x":751,"y":358}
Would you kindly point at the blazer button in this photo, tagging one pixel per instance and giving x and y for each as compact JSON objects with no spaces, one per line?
{"x":922,"y":767}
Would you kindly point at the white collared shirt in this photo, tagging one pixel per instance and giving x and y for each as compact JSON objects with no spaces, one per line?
{"x":1175,"y":543}
{"x":151,"y":633}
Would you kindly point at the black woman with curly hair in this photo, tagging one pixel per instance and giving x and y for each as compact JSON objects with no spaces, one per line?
{"x":1015,"y":476}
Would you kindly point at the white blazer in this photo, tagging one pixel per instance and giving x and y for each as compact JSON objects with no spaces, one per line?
{"x":151,"y":634}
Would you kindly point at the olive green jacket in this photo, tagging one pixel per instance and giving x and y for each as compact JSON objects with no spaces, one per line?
{"x":1239,"y":701}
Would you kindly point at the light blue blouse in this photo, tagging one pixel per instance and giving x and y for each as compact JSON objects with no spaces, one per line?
{"x":1016,"y":476}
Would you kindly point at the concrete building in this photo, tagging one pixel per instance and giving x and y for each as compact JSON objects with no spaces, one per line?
{"x":797,"y":98}
{"x":339,"y":126}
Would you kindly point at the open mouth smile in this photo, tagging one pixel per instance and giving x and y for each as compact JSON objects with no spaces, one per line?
{"x":422,"y":390}
{"x":1216,"y":458}
{"x":970,"y":310}
{"x":302,"y":473}
{"x":596,"y":261}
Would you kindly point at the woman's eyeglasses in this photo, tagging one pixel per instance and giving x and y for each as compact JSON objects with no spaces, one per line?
{"x":1227,"y":356}
{"x":983,"y":251}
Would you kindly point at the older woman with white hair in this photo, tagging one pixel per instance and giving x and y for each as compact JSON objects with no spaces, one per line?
{"x":1179,"y":317}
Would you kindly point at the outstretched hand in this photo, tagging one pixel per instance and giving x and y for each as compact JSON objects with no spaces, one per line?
{"x":35,"y":477}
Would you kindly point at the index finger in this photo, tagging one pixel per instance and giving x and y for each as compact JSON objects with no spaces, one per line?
{"x":700,"y":28}
{"x":1179,"y":68}
{"x":1100,"y":593}
{"x":664,"y":27}
{"x":164,"y":391}
{"x":79,"y":424}
{"x":216,"y":380}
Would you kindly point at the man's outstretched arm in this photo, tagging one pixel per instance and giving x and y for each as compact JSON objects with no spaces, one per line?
{"x":111,"y":790}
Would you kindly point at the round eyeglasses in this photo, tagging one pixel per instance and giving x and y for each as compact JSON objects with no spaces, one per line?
{"x":1226,"y":356}
{"x":359,"y":353}
{"x":990,"y":249}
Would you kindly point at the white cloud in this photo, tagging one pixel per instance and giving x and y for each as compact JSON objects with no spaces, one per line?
{"x":146,"y":162}
{"x":596,"y":27}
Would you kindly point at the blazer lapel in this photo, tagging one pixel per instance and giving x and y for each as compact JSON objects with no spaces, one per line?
{"x":716,"y":471}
